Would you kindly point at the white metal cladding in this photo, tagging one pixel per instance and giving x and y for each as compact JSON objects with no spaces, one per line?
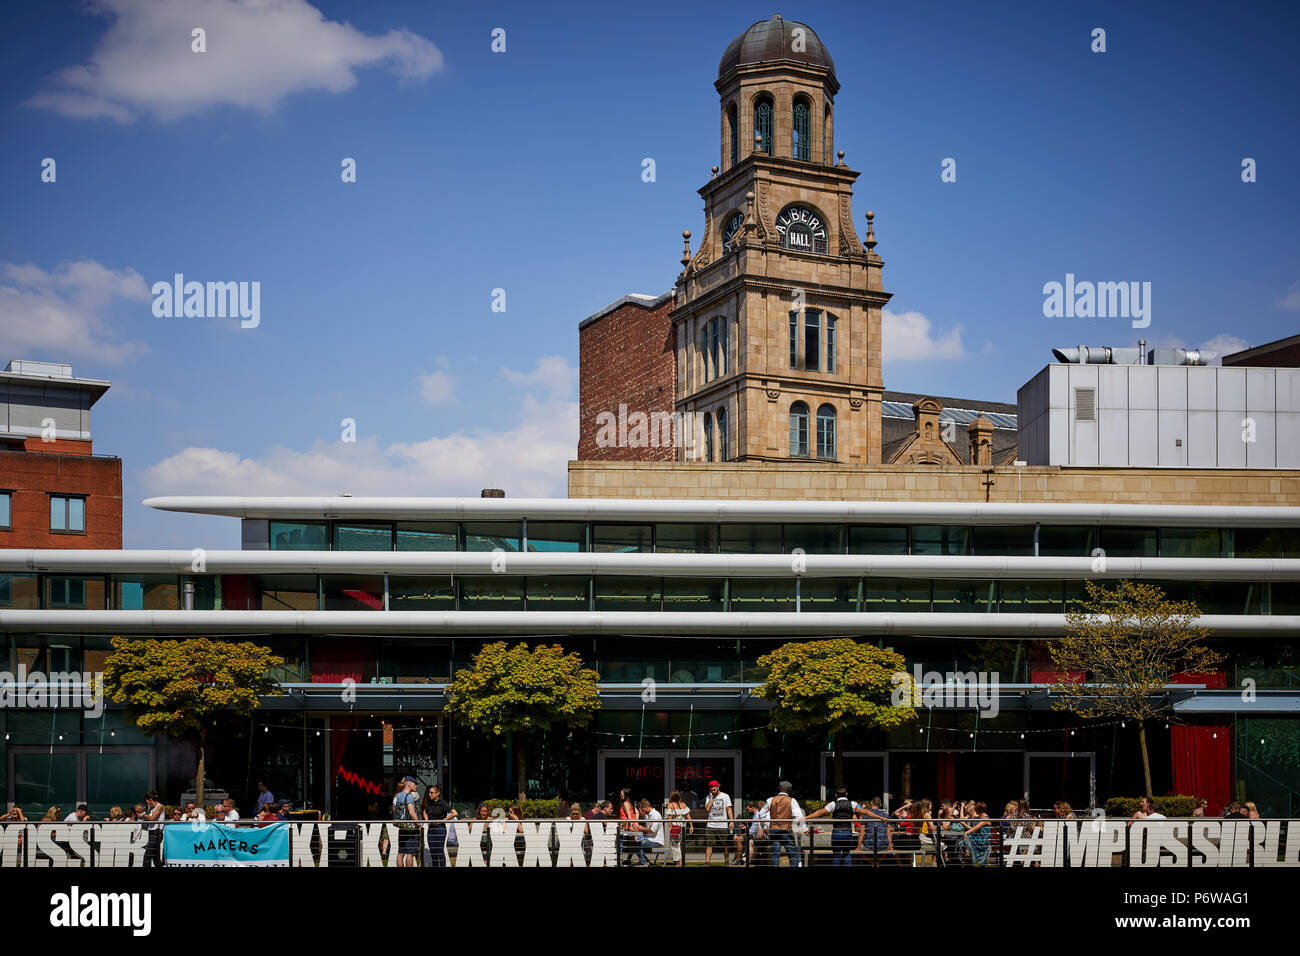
{"x":514,"y":623}
{"x":1161,"y":416}
{"x":972,"y":567}
{"x":674,"y":510}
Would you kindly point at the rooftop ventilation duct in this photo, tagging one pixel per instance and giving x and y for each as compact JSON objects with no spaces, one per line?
{"x":1098,"y":355}
{"x":1177,"y":357}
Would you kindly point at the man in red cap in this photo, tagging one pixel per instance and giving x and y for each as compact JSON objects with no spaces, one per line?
{"x":718,"y":830}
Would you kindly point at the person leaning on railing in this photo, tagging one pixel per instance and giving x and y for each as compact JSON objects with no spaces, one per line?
{"x":843,"y":811}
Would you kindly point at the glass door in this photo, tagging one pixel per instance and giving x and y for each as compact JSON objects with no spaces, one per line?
{"x":644,"y":773}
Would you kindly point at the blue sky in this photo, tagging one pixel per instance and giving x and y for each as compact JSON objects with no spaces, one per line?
{"x":522,"y":171}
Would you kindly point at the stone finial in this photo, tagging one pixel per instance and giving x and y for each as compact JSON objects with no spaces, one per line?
{"x":715,"y":173}
{"x":686,"y":248}
{"x":870,"y":241}
{"x":840,"y":155}
{"x":750,"y":223}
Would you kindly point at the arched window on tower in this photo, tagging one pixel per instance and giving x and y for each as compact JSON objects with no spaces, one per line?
{"x":798,"y":430}
{"x":733,"y":134}
{"x":763,"y":125}
{"x":722,"y":434}
{"x":826,"y":431}
{"x":708,"y":437}
{"x":802,"y":125}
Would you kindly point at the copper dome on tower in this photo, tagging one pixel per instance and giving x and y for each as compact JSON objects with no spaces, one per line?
{"x":774,"y":40}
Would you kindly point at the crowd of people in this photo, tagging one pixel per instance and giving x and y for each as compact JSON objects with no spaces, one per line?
{"x":949,"y":832}
{"x":766,"y":831}
{"x":150,"y":814}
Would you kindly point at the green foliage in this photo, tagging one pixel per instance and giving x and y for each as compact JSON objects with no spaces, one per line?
{"x":532,"y":809}
{"x":517,"y":690}
{"x":1131,"y":640}
{"x":1176,"y":806}
{"x":1269,"y":743}
{"x":833,"y":685}
{"x":171,"y":686}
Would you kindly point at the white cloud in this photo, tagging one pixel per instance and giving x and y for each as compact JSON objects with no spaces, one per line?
{"x":258,"y":53}
{"x":1221,"y":345}
{"x":1291,"y":301}
{"x":909,"y":336}
{"x":553,"y":373}
{"x":527,"y":459}
{"x":58,"y":315}
{"x":438,"y":388}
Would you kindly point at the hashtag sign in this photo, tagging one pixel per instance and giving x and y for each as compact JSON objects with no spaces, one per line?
{"x":1027,"y":844}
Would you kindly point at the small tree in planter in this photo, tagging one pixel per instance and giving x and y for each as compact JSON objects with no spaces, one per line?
{"x":1130,"y":641}
{"x":835,"y":685}
{"x":514,"y":690}
{"x":173,"y":687}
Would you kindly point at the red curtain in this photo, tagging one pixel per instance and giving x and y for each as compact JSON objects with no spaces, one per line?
{"x":1216,"y":680}
{"x":947,"y":784}
{"x":340,"y":729}
{"x":333,"y":661}
{"x":1202,"y":762}
{"x":235,"y":592}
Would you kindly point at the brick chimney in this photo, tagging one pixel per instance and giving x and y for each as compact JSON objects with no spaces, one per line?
{"x":981,"y":440}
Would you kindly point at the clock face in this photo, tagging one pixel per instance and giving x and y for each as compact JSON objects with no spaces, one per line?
{"x":729,"y":231}
{"x":801,"y":229}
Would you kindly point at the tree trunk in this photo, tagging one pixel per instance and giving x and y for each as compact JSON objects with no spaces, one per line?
{"x":198,"y":780}
{"x":839,"y":761}
{"x":1146,"y":759}
{"x":522,"y":770}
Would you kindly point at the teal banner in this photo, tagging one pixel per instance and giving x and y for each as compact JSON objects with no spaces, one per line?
{"x":218,"y":844}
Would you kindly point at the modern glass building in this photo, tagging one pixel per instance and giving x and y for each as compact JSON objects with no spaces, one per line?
{"x":375,"y":603}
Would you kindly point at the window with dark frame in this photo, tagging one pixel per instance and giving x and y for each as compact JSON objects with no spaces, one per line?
{"x":67,"y":514}
{"x":812,"y":327}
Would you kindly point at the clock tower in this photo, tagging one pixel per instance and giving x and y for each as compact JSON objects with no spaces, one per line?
{"x":776,"y":315}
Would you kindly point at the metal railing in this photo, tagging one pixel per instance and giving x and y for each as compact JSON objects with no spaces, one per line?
{"x":550,"y":843}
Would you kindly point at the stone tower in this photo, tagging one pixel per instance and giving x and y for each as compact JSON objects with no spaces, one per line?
{"x":777,"y":313}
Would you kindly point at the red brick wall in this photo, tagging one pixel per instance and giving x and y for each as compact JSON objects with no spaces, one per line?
{"x":33,"y":476}
{"x":626,"y":357}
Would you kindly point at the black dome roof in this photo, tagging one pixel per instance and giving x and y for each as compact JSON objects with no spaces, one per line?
{"x":772,"y":39}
